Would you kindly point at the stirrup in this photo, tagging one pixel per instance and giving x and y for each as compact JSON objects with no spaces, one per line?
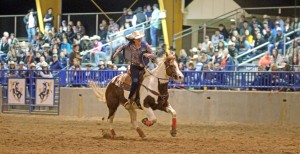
{"x":128,"y":104}
{"x":138,"y":104}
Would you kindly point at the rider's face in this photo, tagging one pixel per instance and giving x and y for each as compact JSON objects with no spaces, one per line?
{"x":138,"y":42}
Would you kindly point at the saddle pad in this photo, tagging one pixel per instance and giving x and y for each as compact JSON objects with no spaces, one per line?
{"x":123,"y":81}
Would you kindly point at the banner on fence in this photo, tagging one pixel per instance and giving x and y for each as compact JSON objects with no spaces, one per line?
{"x":44,"y":92}
{"x":16,"y":91}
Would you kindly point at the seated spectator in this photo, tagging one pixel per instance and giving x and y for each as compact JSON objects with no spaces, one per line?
{"x":12,"y":54}
{"x":215,"y":38}
{"x":21,"y":56}
{"x":113,"y":25}
{"x":221,"y":45}
{"x":63,"y":59}
{"x":255,"y":22}
{"x":244,"y":28}
{"x":56,"y":64}
{"x":80,"y":28}
{"x":21,"y":70}
{"x":261,"y":79}
{"x":279,"y":21}
{"x":129,"y":16}
{"x":265,"y":61}
{"x":242,"y":45}
{"x":232,"y":50}
{"x":45,"y":73}
{"x":66,"y":45}
{"x":276,"y":58}
{"x":101,"y":66}
{"x":85,"y":46}
{"x":267,"y":20}
{"x":232,"y":29}
{"x":181,"y":66}
{"x":13,"y":40}
{"x":4,"y":48}
{"x":217,"y":57}
{"x":74,"y":54}
{"x":227,"y":62}
{"x":258,"y":41}
{"x":41,"y":61}
{"x":183,"y":58}
{"x":76,"y":74}
{"x":288,"y":29}
{"x":96,"y":53}
{"x":211,"y":49}
{"x":12,"y":69}
{"x":29,"y":58}
{"x":194,"y":51}
{"x":191,"y":66}
{"x":249,"y":37}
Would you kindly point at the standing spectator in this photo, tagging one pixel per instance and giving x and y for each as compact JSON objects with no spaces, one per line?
{"x":102,"y":33}
{"x":48,"y":20}
{"x":139,"y":17}
{"x":155,"y":26}
{"x":129,"y":16}
{"x":80,"y":28}
{"x":31,"y":22}
{"x":123,"y":17}
{"x":148,"y":12}
{"x":3,"y":49}
{"x":223,"y":31}
{"x":64,"y":26}
{"x":112,"y":25}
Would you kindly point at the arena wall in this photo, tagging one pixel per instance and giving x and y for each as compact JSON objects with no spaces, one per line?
{"x":0,"y":99}
{"x":206,"y":106}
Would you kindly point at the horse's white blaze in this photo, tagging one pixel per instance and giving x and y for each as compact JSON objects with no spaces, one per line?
{"x":178,"y":72}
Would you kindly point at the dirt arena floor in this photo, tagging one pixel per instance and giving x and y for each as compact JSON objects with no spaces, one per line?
{"x":54,"y":134}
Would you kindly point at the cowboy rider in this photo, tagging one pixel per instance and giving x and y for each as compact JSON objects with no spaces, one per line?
{"x":137,"y":49}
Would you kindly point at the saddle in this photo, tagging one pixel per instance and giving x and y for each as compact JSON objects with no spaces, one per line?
{"x":124,"y":80}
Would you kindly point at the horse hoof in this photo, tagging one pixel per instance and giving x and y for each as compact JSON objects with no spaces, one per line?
{"x":173,"y":132}
{"x":147,"y":122}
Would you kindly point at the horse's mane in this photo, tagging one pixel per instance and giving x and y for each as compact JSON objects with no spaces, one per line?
{"x":161,"y":60}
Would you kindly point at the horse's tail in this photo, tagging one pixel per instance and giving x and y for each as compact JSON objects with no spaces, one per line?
{"x":100,"y":94}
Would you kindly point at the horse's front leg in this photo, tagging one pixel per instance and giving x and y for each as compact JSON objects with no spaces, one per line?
{"x":174,"y":122}
{"x":151,"y":118}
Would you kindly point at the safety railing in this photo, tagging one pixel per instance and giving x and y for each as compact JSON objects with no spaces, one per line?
{"x":249,"y":51}
{"x":192,"y":79}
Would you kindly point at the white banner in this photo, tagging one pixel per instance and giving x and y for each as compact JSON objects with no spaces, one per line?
{"x":16,"y":91}
{"x":44,"y":94}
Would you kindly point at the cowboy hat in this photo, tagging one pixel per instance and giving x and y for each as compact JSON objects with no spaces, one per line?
{"x":109,"y":62}
{"x":21,"y":63}
{"x":194,"y":49}
{"x":32,"y":65}
{"x":191,"y":62}
{"x":11,"y":63}
{"x":85,"y":37}
{"x":266,"y":16}
{"x":89,"y":65}
{"x":96,"y":37}
{"x":44,"y":64}
{"x":136,"y":35}
{"x":123,"y":68}
{"x":46,"y":45}
{"x":101,"y":63}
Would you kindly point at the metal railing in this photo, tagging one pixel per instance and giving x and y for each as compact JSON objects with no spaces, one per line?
{"x":192,"y":79}
{"x":249,"y":51}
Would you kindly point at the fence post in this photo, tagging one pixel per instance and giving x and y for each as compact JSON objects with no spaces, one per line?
{"x":284,"y":41}
{"x":80,"y":106}
{"x":97,"y":23}
{"x":69,"y":18}
{"x":204,"y":30}
{"x":15,"y":26}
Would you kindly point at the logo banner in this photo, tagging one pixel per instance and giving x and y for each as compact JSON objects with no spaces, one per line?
{"x":44,"y":94}
{"x":16,"y":91}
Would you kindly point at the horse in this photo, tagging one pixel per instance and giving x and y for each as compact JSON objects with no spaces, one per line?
{"x":153,"y":94}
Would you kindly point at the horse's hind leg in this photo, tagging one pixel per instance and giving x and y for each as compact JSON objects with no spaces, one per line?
{"x":112,"y":112}
{"x":133,"y":117}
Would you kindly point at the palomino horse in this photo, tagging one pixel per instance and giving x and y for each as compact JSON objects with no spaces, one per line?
{"x":153,"y":94}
